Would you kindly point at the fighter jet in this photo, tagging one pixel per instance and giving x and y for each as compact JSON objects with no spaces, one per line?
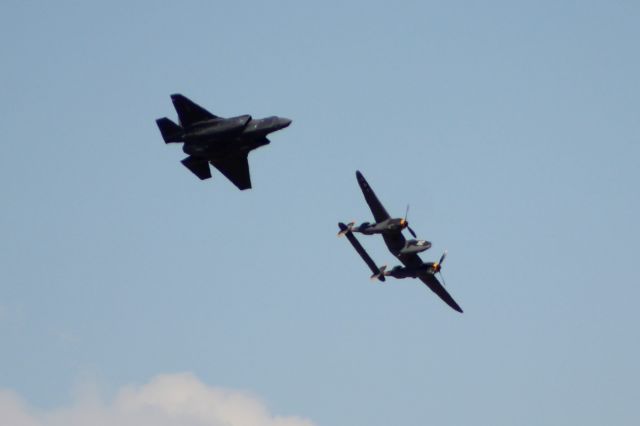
{"x":222,"y":142}
{"x":407,"y":253}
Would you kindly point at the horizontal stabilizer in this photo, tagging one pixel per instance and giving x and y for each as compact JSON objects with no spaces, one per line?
{"x":171,"y":132}
{"x":380,"y":274}
{"x":198,"y":167}
{"x":345,"y":229}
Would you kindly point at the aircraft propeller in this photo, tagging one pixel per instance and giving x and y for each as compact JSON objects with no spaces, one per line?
{"x":437,"y":267}
{"x":411,"y":231}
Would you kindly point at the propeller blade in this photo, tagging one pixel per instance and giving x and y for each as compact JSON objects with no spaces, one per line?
{"x":442,"y":278}
{"x":442,"y":257}
{"x":406,"y":213}
{"x":412,"y":232}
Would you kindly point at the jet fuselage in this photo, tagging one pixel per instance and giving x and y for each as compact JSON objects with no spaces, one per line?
{"x":215,"y":128}
{"x":220,"y":137}
{"x":243,"y":127}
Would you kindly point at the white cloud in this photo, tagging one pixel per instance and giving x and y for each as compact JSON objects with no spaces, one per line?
{"x":13,"y":412}
{"x":167,"y":400}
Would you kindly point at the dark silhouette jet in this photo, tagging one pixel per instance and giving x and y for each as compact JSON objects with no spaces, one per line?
{"x":222,"y":142}
{"x":405,"y":251}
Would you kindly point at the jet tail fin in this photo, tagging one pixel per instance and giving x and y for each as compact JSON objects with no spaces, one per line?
{"x":171,"y":132}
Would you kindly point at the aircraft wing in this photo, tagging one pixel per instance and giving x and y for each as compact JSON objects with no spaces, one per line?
{"x":395,"y":241}
{"x":188,"y":111}
{"x":414,"y":261}
{"x":361,"y":251}
{"x":236,"y":169}
{"x":378,"y":210}
{"x":432,"y":282}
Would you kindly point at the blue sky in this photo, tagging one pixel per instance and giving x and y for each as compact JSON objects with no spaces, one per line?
{"x":511,"y":129}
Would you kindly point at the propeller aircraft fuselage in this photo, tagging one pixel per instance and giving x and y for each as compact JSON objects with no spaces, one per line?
{"x":389,"y":225}
{"x":415,"y":246}
{"x":405,"y":251}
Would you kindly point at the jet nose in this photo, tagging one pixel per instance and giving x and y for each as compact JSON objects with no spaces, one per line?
{"x":284,"y":122}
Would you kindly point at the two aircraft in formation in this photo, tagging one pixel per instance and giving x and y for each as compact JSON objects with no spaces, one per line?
{"x":225,"y":143}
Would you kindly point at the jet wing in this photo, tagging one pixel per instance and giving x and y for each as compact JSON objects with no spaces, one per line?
{"x":188,"y":111}
{"x":361,"y":251}
{"x":236,"y":169}
{"x":378,"y":210}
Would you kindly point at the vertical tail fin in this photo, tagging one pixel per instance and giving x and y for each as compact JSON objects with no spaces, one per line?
{"x":171,"y":132}
{"x":345,"y":228}
{"x":380,"y":274}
